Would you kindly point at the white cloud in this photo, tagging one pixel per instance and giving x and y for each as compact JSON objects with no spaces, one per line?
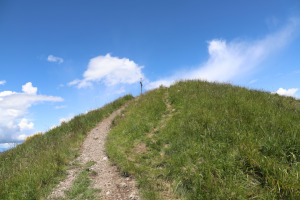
{"x":52,"y":58}
{"x":53,"y":127}
{"x":22,"y":137}
{"x":25,"y":125}
{"x":156,"y":84}
{"x":230,"y":60}
{"x":60,"y":107}
{"x":111,"y":71}
{"x":2,"y":82}
{"x":29,"y":89}
{"x":13,"y":107}
{"x":6,"y":146}
{"x":6,"y":93}
{"x":120,"y":91}
{"x":289,"y":92}
{"x":60,"y":86}
{"x":253,"y":81}
{"x":66,"y":119}
{"x":74,"y":82}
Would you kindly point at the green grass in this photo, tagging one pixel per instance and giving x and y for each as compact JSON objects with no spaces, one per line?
{"x":32,"y":169}
{"x":216,"y":141}
{"x":81,"y":189}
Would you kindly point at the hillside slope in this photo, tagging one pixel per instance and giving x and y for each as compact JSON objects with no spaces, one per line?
{"x":200,"y":140}
{"x":33,"y":168}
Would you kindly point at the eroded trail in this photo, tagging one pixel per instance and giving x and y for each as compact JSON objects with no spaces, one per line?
{"x":106,"y":177}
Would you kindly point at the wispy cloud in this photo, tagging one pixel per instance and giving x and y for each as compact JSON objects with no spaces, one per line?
{"x":287,"y":92}
{"x":60,"y":107}
{"x":120,"y":91}
{"x":2,"y":82}
{"x":253,"y":81}
{"x":14,"y":127}
{"x":229,"y":60}
{"x":55,"y":59}
{"x":109,"y":70}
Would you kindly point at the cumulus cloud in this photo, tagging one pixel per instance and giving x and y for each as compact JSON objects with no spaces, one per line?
{"x":25,"y":125}
{"x":229,"y":60}
{"x":21,"y":137}
{"x":13,"y":107}
{"x":111,"y":71}
{"x":289,"y":92}
{"x":2,"y":82}
{"x":55,"y":59}
{"x":29,"y":89}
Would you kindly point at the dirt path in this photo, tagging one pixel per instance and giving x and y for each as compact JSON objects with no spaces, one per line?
{"x":107,"y":178}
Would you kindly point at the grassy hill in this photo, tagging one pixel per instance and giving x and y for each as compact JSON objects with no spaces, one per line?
{"x":200,"y":140}
{"x":194,"y":140}
{"x":31,"y":170}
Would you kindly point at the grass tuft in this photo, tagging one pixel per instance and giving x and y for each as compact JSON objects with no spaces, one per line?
{"x":81,"y":188}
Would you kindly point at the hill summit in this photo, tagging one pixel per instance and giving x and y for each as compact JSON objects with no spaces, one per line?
{"x":201,"y":140}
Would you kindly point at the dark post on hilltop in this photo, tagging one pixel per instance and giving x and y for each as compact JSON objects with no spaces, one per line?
{"x":141,"y":82}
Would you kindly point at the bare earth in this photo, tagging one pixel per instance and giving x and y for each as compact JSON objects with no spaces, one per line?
{"x":107,"y":178}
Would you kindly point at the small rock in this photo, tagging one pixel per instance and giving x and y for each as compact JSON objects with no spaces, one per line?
{"x":133,"y":196}
{"x":122,"y":185}
{"x":104,"y":158}
{"x":91,"y":169}
{"x":107,"y":193}
{"x":96,"y":138}
{"x":173,"y":109}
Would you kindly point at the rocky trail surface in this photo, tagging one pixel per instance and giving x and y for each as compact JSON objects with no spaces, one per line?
{"x":107,"y":177}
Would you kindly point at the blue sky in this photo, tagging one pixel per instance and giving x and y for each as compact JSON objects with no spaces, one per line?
{"x":61,"y":58}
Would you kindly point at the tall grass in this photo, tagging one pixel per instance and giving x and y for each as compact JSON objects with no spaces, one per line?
{"x":222,"y":142}
{"x":30,"y":170}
